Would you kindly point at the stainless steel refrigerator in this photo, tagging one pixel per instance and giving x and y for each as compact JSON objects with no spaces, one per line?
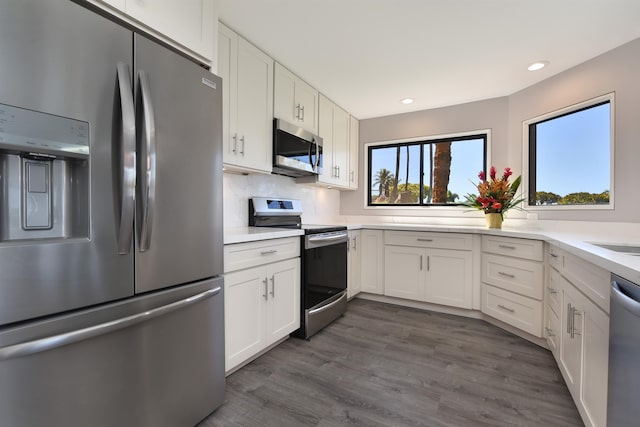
{"x":111,"y":305}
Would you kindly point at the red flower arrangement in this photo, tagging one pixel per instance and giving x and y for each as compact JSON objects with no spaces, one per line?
{"x":495,"y":195}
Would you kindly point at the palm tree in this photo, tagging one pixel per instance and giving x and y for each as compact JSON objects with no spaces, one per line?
{"x":441,"y":170}
{"x":383,"y":179}
{"x":394,"y":192}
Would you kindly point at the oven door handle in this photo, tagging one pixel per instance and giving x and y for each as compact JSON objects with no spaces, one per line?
{"x":324,"y":240}
{"x":328,"y":306}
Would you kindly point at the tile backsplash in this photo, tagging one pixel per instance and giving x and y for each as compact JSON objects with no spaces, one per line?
{"x":320,"y":205}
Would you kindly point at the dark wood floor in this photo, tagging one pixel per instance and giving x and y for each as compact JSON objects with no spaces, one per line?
{"x":384,"y":365}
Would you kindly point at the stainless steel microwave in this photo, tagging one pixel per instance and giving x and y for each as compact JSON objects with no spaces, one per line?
{"x":296,"y":151}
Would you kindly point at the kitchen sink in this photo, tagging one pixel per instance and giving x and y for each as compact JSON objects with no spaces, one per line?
{"x":627,"y":249}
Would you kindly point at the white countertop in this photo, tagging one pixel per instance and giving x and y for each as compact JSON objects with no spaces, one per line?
{"x":252,"y":234}
{"x":622,"y":264}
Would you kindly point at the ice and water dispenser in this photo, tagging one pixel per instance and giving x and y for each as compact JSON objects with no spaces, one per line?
{"x":44,"y":175}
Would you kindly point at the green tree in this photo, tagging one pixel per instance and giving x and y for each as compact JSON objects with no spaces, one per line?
{"x":546,"y":198}
{"x":383,"y":179}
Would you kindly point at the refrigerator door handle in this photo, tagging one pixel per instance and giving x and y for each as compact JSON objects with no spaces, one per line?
{"x":127,"y":159}
{"x":147,"y":164}
{"x":50,"y":343}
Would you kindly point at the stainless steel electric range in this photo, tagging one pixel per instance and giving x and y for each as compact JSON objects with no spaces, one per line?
{"x":323,"y":261}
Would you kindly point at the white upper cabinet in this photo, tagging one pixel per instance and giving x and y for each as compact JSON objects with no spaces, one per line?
{"x":189,"y":23}
{"x":334,"y":131}
{"x":247,"y":132}
{"x":294,"y":100}
{"x":354,"y":149}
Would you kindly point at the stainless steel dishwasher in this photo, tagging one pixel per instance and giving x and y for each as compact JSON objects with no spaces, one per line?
{"x":623,"y":408}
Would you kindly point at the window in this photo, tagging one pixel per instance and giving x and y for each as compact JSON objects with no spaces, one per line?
{"x":425,"y":173}
{"x":570,"y":161}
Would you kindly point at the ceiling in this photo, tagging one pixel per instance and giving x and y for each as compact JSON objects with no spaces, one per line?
{"x":367,"y":55}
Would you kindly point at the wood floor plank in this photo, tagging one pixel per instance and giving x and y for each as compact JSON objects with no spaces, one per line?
{"x":386,"y":365}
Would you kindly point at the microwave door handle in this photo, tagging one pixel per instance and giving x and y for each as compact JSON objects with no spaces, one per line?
{"x":148,"y":164}
{"x":127,"y":153}
{"x":317,"y":162}
{"x":311,"y":161}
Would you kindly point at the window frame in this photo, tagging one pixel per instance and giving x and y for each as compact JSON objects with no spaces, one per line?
{"x":527,"y":148}
{"x":482,"y":133}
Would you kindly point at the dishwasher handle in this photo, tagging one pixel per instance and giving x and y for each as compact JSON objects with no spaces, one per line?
{"x":626,"y":295}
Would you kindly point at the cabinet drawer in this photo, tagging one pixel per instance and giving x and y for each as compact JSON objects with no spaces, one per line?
{"x":590,"y":279}
{"x":521,"y":248}
{"x":244,"y":255}
{"x":554,"y":257}
{"x":428,"y":239}
{"x":515,"y":275}
{"x":553,"y":291}
{"x":517,"y":310}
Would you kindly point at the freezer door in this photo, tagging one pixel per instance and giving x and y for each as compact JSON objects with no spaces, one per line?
{"x":151,"y":361}
{"x":59,"y":79}
{"x":179,"y":197}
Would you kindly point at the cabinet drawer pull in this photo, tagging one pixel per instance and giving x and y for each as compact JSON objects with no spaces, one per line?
{"x":424,"y":240}
{"x":510,"y":310}
{"x":550,"y":332}
{"x":509,"y":275}
{"x":235,"y":143}
{"x":273,"y":286}
{"x":507,"y":247}
{"x":266,"y":289}
{"x":552,"y":290}
{"x":553,"y":255}
{"x":242,"y":140}
{"x":271,"y":252}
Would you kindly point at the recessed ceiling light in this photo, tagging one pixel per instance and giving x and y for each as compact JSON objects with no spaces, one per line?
{"x":407,"y":101}
{"x":538,"y":65}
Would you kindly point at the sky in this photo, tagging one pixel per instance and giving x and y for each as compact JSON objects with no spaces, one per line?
{"x":571,"y":154}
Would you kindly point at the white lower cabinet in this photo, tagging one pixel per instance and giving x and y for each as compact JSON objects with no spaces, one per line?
{"x":582,"y":333}
{"x":353,"y":263}
{"x":512,"y":282}
{"x":372,"y":266}
{"x":422,"y":272}
{"x":262,"y":303}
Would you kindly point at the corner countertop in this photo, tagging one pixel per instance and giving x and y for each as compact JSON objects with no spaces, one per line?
{"x":622,"y":264}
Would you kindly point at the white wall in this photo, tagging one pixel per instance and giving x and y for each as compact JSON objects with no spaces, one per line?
{"x":615,"y":71}
{"x":320,"y":205}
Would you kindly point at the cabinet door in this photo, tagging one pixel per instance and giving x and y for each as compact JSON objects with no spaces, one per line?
{"x":307,"y":98}
{"x":325,"y":131}
{"x":571,"y":346}
{"x":228,"y":70}
{"x":595,"y":359}
{"x":449,"y":278}
{"x":404,"y":272}
{"x":354,"y":149}
{"x":244,"y":301}
{"x":283,"y":308}
{"x":341,"y":146}
{"x":353,"y":266}
{"x":372,"y":262}
{"x":284,"y":89}
{"x":254,"y":108}
{"x":188,"y":22}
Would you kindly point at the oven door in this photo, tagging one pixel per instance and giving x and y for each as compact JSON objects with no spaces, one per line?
{"x":325,"y":267}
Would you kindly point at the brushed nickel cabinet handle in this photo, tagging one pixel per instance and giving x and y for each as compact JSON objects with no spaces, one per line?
{"x":273,"y":286}
{"x":507,"y":247}
{"x":266,"y":290}
{"x":509,"y":275}
{"x":271,"y":252}
{"x":423,"y":240}
{"x":510,"y":310}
